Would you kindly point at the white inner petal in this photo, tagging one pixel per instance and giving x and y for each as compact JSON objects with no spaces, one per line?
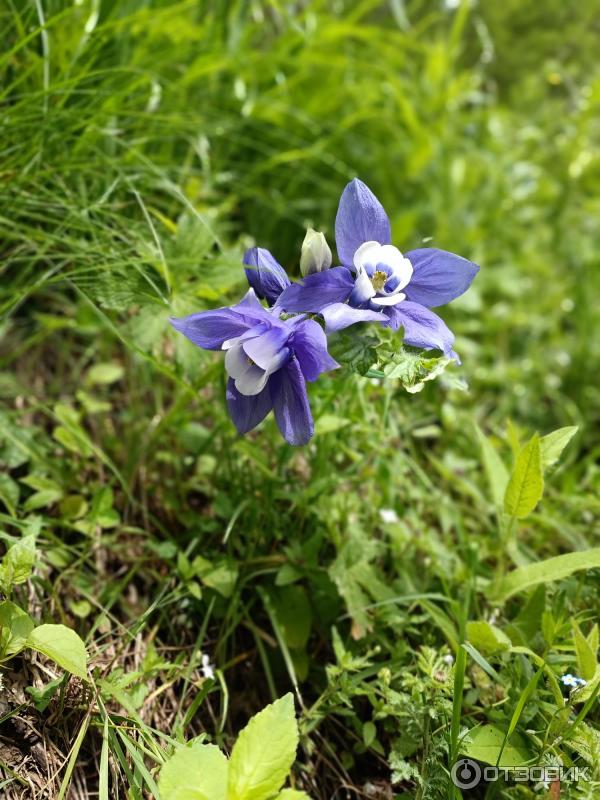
{"x":389,"y":299}
{"x":363,"y":284}
{"x":402,"y":270}
{"x":249,"y":378}
{"x":366,"y":254}
{"x":253,"y":381}
{"x":236,"y":361}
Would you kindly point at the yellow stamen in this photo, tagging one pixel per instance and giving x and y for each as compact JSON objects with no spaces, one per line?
{"x":379,"y":280}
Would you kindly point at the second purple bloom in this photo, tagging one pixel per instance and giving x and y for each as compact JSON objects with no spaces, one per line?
{"x":268,"y":361}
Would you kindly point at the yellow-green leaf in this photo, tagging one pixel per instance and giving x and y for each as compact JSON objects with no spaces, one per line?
{"x":105,"y":373}
{"x":486,"y":743}
{"x":487,"y":638}
{"x":196,"y":772}
{"x":17,"y":564}
{"x":264,"y":752}
{"x":554,"y":443}
{"x":526,"y":484}
{"x":552,"y":569}
{"x":15,"y":627}
{"x":62,"y":645}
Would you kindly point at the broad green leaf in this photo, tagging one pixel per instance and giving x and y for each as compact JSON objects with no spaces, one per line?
{"x":62,"y":645}
{"x":196,"y":772}
{"x":76,"y":442}
{"x":554,"y":443}
{"x":264,"y":752}
{"x":485,"y":744}
{"x":294,"y":615}
{"x":15,"y":627}
{"x":495,"y":470}
{"x":17,"y":564}
{"x":41,"y":483}
{"x":287,"y":575}
{"x":105,"y":373}
{"x":526,"y":484}
{"x":586,"y":657}
{"x":487,"y":638}
{"x":102,"y":512}
{"x":74,"y":506}
{"x":42,"y":499}
{"x":369,"y":731}
{"x":292,"y":794}
{"x":222,"y":578}
{"x":552,"y":569}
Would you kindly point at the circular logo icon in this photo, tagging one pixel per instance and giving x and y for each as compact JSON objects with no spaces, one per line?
{"x":466,"y":774}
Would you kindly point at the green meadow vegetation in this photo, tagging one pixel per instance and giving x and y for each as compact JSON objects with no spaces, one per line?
{"x":411,"y":587}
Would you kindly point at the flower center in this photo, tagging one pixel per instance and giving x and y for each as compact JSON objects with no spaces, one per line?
{"x":379,"y":280}
{"x":389,"y":270}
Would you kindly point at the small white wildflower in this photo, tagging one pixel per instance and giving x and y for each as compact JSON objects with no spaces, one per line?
{"x":208,"y":669}
{"x":493,"y":618}
{"x":448,"y":659}
{"x":388,"y":515}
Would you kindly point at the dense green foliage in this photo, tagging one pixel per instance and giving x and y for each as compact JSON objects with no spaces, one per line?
{"x":144,"y":145}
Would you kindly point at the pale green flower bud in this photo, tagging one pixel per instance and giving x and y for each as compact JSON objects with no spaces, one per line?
{"x":316,"y":255}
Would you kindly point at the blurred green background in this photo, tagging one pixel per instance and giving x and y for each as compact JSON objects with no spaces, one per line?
{"x":144,"y":146}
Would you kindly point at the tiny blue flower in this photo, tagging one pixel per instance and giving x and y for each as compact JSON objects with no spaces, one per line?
{"x":268,"y":361}
{"x":573,"y":681}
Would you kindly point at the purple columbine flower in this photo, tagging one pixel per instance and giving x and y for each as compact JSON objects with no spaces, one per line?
{"x":268,"y":361}
{"x":376,"y":283}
